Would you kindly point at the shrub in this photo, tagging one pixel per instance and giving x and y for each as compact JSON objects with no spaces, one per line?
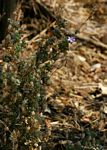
{"x":22,"y":84}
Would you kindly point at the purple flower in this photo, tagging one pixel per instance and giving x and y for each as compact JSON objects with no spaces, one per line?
{"x":71,"y":39}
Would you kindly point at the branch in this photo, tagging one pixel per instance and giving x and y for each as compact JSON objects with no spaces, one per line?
{"x":92,"y":40}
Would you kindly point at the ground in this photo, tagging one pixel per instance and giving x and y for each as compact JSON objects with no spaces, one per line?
{"x":76,"y":107}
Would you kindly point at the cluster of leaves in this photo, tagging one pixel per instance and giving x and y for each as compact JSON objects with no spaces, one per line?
{"x":22,"y":84}
{"x":87,"y":140}
{"x":20,"y":92}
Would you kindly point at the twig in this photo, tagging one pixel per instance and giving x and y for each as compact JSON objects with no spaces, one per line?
{"x":41,"y":33}
{"x":92,"y":40}
{"x":44,"y":9}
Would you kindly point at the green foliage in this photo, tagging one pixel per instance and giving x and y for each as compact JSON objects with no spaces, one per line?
{"x":89,"y":141}
{"x":22,"y":84}
{"x":63,"y":45}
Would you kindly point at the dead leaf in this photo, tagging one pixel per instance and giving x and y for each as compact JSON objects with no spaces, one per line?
{"x":103,"y":88}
